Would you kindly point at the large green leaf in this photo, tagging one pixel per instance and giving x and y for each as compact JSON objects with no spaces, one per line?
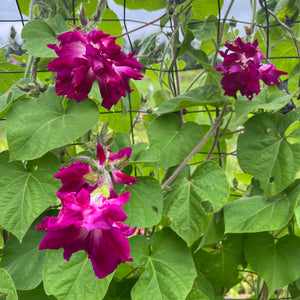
{"x":264,"y":151}
{"x":203,"y":95}
{"x":37,"y":34}
{"x":36,"y":126}
{"x":7,"y":286}
{"x":254,"y":214}
{"x":73,"y":279}
{"x":276,"y":262}
{"x":263,"y":100}
{"x":174,"y":143}
{"x":24,"y":262}
{"x":203,"y":31}
{"x":144,"y":209}
{"x":220,"y":265}
{"x":26,"y":192}
{"x":185,"y":204}
{"x":170,"y":269}
{"x":143,"y":4}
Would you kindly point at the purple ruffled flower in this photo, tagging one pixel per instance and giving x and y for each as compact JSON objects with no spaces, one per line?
{"x":92,"y":224}
{"x":86,"y":57}
{"x":242,"y":69}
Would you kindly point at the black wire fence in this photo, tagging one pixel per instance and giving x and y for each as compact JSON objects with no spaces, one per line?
{"x":136,"y":115}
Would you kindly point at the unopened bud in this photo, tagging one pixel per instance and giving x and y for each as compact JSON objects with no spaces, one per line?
{"x":120,"y":163}
{"x":100,"y":9}
{"x":83,"y":18}
{"x":13,"y":33}
{"x":93,"y":165}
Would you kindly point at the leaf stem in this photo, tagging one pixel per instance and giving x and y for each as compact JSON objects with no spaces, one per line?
{"x":196,"y":149}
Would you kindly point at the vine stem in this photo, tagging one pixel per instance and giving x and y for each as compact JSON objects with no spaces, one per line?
{"x":143,"y":26}
{"x":196,"y":149}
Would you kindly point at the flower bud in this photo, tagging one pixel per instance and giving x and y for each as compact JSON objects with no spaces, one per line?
{"x":13,"y":33}
{"x":83,"y":18}
{"x":92,"y":178}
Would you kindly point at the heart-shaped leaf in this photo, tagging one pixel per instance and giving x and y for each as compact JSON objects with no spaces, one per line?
{"x":73,"y":279}
{"x":166,"y":276}
{"x":265,"y":151}
{"x":186,"y":202}
{"x":173,"y":142}
{"x":7,"y":286}
{"x":26,"y":192}
{"x":35,"y":127}
{"x":276,"y":262}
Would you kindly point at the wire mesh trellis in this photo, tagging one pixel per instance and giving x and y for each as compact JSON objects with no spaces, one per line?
{"x":134,"y":114}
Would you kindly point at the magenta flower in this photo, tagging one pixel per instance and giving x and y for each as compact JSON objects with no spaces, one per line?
{"x":73,"y":178}
{"x":80,"y":175}
{"x":242,"y":69}
{"x":86,"y":57}
{"x":92,"y":224}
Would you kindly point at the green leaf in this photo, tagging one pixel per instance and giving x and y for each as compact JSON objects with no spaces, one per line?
{"x":5,"y":104}
{"x":185,"y":203}
{"x":146,"y":45}
{"x":174,"y":143}
{"x":202,"y":31}
{"x":220,"y":265}
{"x":166,"y":276}
{"x":263,"y":100}
{"x":139,"y":249}
{"x":142,"y":154}
{"x":276,"y":262}
{"x":8,"y":77}
{"x":203,"y":8}
{"x":7,"y":286}
{"x":26,"y":192}
{"x":214,"y":232}
{"x":202,"y":289}
{"x":60,"y":24}
{"x":37,"y":294}
{"x":48,"y":126}
{"x":73,"y":279}
{"x":37,"y":34}
{"x":254,"y":214}
{"x":144,"y":209}
{"x":120,"y":289}
{"x":264,"y":151}
{"x":203,"y":95}
{"x":143,"y":4}
{"x":24,"y":262}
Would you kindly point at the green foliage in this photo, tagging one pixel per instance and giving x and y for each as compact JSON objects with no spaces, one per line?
{"x":49,"y":125}
{"x":26,"y":191}
{"x":219,"y":178}
{"x":74,"y":279}
{"x":166,"y":277}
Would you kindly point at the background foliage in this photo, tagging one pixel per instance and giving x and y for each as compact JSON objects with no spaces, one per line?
{"x":217,"y":197}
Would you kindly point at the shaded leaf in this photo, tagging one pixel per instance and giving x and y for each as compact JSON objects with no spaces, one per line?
{"x":36,"y":294}
{"x":254,"y":214}
{"x":220,"y":265}
{"x":24,"y":262}
{"x":143,"y":4}
{"x":276,"y":262}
